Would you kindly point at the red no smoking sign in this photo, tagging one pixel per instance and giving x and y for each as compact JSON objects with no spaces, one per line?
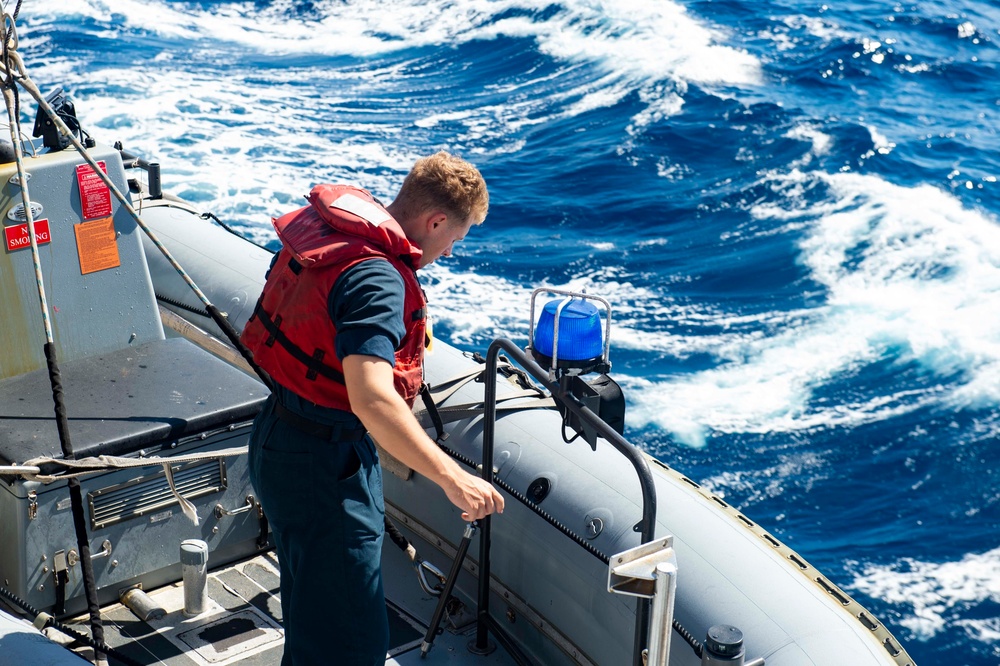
{"x":17,"y":235}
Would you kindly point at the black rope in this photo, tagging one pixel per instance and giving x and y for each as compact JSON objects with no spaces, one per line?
{"x":691,"y":640}
{"x":590,"y":548}
{"x":227,"y":328}
{"x":212,"y":216}
{"x":76,"y":496}
{"x":395,"y":535}
{"x":545,"y":515}
{"x":99,"y":646}
{"x":213,"y":313}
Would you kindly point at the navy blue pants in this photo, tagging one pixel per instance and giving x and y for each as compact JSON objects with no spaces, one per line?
{"x":324,"y":503}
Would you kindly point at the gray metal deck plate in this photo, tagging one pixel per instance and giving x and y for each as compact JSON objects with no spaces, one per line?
{"x":242,"y":625}
{"x":121,"y":401}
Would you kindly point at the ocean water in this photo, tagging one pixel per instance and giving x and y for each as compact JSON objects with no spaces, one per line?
{"x":793,"y":208}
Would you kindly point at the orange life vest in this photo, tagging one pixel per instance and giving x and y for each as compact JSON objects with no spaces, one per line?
{"x":290,"y":333}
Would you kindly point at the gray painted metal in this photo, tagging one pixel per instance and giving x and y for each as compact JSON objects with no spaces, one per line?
{"x":164,"y":397}
{"x":91,"y":313}
{"x":144,"y":548}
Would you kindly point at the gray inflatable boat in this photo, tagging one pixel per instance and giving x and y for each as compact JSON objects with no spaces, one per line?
{"x":604,"y":555}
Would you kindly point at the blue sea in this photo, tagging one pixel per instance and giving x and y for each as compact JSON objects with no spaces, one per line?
{"x":793,"y":208}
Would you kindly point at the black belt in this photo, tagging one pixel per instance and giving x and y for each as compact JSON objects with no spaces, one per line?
{"x":334,"y":433}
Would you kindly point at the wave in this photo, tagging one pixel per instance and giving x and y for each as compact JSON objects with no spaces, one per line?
{"x":939,"y":595}
{"x":650,"y":40}
{"x":599,"y":53}
{"x":909,"y":276}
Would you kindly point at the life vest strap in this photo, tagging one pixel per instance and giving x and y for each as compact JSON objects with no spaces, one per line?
{"x":314,"y":365}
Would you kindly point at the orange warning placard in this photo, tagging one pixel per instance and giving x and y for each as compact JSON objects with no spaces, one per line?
{"x":96,"y":245}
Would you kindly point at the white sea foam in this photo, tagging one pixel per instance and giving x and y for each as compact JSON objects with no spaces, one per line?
{"x":638,"y":45}
{"x":163,"y":19}
{"x":652,"y":40}
{"x":821,"y":142}
{"x":656,"y":40}
{"x":476,"y":308}
{"x":801,"y":468}
{"x":910,"y":274}
{"x":823,"y":27}
{"x":940,"y":594}
{"x":880,"y":144}
{"x":244,"y":158}
{"x":479,"y":307}
{"x":240,"y":133}
{"x":660,"y":104}
{"x":769,"y":365}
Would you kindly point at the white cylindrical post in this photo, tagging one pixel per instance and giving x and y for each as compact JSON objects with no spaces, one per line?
{"x":194,"y":572}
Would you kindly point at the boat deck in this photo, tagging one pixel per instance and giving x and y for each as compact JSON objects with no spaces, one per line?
{"x":242,"y":623}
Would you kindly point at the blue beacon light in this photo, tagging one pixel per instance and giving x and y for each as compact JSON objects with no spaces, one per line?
{"x":581,"y":343}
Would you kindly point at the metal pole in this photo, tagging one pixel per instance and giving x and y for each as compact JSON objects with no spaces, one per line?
{"x":482,"y":644}
{"x":456,"y":568}
{"x":647,"y":524}
{"x":663,"y":614}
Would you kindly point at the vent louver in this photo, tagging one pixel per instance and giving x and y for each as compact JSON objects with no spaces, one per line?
{"x":148,"y":494}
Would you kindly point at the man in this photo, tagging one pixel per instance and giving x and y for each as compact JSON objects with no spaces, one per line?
{"x":340,"y":328}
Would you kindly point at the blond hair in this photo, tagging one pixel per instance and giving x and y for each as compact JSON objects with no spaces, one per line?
{"x":447,"y":182}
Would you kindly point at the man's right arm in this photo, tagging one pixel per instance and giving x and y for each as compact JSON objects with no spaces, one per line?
{"x":386,"y":415}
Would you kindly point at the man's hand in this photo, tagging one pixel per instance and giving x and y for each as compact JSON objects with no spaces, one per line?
{"x":386,"y":415}
{"x":474,"y":496}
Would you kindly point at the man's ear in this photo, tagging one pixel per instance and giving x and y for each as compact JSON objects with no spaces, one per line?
{"x":436,"y":219}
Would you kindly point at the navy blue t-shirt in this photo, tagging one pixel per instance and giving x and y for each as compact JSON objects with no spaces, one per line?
{"x":366,"y":307}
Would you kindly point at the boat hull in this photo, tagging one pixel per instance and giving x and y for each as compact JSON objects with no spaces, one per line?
{"x":181,"y":390}
{"x":552,"y":592}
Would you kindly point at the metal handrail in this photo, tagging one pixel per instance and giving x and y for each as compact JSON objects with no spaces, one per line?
{"x":646,"y":525}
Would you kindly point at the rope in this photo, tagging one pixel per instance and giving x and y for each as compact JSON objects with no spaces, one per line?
{"x":173,"y":202}
{"x":211,"y":216}
{"x":12,"y":62}
{"x":696,"y":646}
{"x":397,"y":538}
{"x":545,"y":515}
{"x":458,"y":412}
{"x":95,"y":464}
{"x":689,"y":639}
{"x":431,"y":414}
{"x":15,"y":128}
